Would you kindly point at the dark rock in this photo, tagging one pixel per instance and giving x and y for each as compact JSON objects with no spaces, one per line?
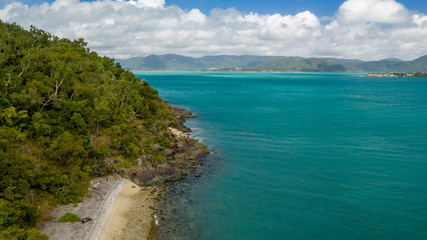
{"x":179,"y":109}
{"x":183,"y":174}
{"x":169,"y":151}
{"x":181,"y":114}
{"x":85,"y":220}
{"x":166,"y":169}
{"x":144,"y":175}
{"x":140,"y":176}
{"x":197,"y":175}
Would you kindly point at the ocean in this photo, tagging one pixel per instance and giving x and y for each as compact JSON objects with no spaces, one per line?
{"x":300,"y":156}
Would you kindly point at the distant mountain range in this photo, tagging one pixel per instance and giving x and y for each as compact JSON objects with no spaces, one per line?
{"x":173,"y":62}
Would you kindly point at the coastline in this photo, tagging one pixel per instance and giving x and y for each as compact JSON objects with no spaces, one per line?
{"x":118,"y":209}
{"x":123,"y":205}
{"x":97,"y":205}
{"x":133,"y":214}
{"x":398,"y":74}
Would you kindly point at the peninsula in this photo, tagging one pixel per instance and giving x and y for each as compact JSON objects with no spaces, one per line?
{"x":73,"y":127}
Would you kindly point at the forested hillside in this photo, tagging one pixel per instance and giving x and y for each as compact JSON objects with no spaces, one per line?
{"x":271,"y":64}
{"x":183,"y":63}
{"x":299,"y":65}
{"x":65,"y":111}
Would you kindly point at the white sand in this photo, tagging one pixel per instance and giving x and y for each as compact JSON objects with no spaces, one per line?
{"x":132,"y":216}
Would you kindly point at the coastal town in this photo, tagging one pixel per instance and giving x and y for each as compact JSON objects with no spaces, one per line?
{"x":399,"y":74}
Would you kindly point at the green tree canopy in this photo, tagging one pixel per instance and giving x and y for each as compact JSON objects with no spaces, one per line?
{"x":63,"y":110}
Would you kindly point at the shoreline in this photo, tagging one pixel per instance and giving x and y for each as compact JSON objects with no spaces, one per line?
{"x":123,"y":206}
{"x":133,"y":215}
{"x":398,"y":74}
{"x":97,"y":205}
{"x":117,"y":207}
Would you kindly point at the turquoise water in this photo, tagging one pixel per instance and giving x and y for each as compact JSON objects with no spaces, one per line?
{"x":301,"y":156}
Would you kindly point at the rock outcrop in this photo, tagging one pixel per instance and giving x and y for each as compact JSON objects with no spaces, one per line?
{"x":181,"y":156}
{"x":181,"y":115}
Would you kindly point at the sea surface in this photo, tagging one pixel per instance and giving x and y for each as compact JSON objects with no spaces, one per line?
{"x":300,"y":156}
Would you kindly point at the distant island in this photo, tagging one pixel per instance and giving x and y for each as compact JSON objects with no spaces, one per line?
{"x":251,"y":63}
{"x":399,"y":74}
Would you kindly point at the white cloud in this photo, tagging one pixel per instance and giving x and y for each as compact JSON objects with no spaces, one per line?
{"x":376,"y":11}
{"x":138,"y":28}
{"x":147,"y":3}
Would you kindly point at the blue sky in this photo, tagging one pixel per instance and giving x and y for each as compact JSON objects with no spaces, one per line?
{"x":362,"y":29}
{"x":320,"y":8}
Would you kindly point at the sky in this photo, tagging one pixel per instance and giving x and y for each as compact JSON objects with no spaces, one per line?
{"x":319,"y":8}
{"x":353,"y":29}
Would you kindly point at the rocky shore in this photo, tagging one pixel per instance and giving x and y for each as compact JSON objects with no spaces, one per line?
{"x":116,"y":208}
{"x":181,"y":115}
{"x":181,"y":157}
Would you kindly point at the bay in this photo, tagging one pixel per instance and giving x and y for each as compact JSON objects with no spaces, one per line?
{"x":300,"y":156}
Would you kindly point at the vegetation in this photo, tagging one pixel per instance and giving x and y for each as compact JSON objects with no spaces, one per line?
{"x":420,"y":74}
{"x":177,"y":62}
{"x":69,"y":217}
{"x":66,"y":116}
{"x":298,"y":65}
{"x":271,"y":63}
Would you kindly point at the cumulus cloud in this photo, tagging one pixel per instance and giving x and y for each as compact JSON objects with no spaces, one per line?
{"x":147,"y":3}
{"x":376,"y":11}
{"x":140,"y":27}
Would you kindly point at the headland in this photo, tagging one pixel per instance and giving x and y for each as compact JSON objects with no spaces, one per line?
{"x":123,"y":205}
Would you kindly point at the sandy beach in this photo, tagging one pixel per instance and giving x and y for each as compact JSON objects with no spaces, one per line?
{"x":133,"y":214}
{"x":118,"y":208}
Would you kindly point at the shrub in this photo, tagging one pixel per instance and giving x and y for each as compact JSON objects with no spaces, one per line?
{"x":69,"y":217}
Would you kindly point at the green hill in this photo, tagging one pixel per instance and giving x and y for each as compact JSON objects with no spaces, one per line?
{"x":183,"y":63}
{"x":271,"y":63}
{"x":230,"y":61}
{"x":163,"y":62}
{"x":380,"y":66}
{"x":299,"y":65}
{"x":66,"y":115}
{"x":342,"y":65}
{"x":417,"y":65}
